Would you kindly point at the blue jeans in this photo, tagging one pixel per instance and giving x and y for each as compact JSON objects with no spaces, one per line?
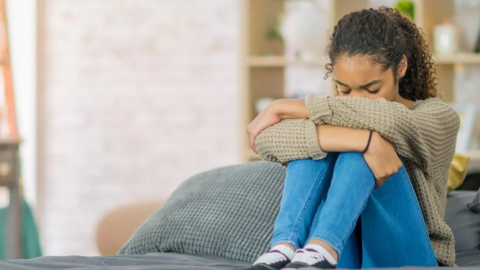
{"x":324,"y":199}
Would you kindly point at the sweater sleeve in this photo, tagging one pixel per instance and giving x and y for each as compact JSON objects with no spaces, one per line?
{"x":290,"y":139}
{"x":418,"y":134}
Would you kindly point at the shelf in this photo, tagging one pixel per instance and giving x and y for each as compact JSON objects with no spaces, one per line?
{"x":461,"y":58}
{"x":8,"y":141}
{"x":474,"y":164}
{"x":474,"y":155}
{"x":264,"y":63}
{"x":280,"y":61}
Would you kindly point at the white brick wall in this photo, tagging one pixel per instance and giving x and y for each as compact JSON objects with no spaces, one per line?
{"x":138,"y":96}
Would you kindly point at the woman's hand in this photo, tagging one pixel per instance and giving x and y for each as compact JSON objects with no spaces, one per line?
{"x":382,"y":159}
{"x":269,"y":116}
{"x":274,"y":113}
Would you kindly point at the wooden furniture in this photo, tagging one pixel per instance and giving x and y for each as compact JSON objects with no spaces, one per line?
{"x":9,"y":177}
{"x":263,"y":61}
{"x":9,"y":146}
{"x":118,"y":225}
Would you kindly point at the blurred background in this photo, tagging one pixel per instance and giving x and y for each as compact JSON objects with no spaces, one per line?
{"x":120,"y":101}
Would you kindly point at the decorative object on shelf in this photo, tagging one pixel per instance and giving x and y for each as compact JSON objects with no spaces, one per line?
{"x":467,"y":119}
{"x":407,"y":8}
{"x":445,"y":38}
{"x":467,"y":22}
{"x":304,"y":29}
{"x":275,"y":32}
{"x":262,"y":103}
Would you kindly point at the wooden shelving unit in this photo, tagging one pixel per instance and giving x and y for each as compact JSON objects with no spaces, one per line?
{"x":263,"y":61}
{"x":461,"y":58}
{"x":279,"y":61}
{"x":474,"y":165}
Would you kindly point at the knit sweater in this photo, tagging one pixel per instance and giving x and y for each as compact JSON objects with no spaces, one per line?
{"x":424,"y":137}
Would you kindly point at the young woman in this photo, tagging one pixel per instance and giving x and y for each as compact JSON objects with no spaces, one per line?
{"x":367,"y":171}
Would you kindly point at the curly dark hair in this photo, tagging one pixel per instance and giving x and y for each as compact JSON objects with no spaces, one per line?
{"x":386,"y":35}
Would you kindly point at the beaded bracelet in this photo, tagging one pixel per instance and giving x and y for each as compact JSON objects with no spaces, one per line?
{"x":368,"y":143}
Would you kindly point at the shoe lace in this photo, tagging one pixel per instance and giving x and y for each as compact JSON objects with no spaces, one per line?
{"x":308,"y":257}
{"x":270,"y":258}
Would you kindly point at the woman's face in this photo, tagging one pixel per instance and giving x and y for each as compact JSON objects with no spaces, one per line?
{"x":356,"y":76}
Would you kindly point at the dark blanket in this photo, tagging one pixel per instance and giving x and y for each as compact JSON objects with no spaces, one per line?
{"x":158,"y":261}
{"x":170,"y":261}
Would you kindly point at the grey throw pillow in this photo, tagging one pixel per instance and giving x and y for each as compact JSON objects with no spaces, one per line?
{"x":228,"y":212}
{"x":464,"y":223}
{"x":474,"y":205}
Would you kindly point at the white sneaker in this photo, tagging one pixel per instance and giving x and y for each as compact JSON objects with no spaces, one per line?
{"x":307,"y":257}
{"x":272,"y":260}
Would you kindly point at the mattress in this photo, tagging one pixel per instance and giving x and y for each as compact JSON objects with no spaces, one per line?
{"x":172,"y":261}
{"x":154,"y":261}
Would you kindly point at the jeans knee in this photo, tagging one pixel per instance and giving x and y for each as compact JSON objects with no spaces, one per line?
{"x":352,"y":164}
{"x":309,"y":162}
{"x":351,"y":157}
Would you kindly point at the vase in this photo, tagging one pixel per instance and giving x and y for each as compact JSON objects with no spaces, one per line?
{"x":304,"y":30}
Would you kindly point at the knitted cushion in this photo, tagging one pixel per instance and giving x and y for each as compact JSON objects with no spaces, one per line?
{"x":474,"y":205}
{"x":228,"y":212}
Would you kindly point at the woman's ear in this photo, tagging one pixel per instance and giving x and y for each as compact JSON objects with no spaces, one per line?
{"x":402,"y":67}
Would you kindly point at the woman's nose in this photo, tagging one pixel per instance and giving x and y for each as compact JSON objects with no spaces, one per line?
{"x":358,"y":93}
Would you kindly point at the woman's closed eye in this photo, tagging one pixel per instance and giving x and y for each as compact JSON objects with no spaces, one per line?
{"x":373,"y":91}
{"x":346,"y":92}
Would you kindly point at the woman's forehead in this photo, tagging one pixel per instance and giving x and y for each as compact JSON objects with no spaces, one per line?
{"x":358,"y":70}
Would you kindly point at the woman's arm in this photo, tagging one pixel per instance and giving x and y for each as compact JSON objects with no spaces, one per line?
{"x":341,"y":139}
{"x":380,"y":157}
{"x":300,"y":138}
{"x":416,"y":135}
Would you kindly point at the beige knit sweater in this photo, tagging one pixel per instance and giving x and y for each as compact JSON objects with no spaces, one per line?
{"x":424,"y":136}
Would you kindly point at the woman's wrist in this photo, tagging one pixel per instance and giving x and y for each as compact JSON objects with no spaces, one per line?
{"x":341,"y":139}
{"x":290,"y":108}
{"x":370,"y":133}
{"x":373,"y":143}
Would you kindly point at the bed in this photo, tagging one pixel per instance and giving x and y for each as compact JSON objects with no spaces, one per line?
{"x":219,"y":209}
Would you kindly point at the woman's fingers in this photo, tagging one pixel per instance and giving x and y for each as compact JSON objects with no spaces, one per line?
{"x":385,"y":175}
{"x":265,"y":119}
{"x":252,"y":141}
{"x":252,"y":144}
